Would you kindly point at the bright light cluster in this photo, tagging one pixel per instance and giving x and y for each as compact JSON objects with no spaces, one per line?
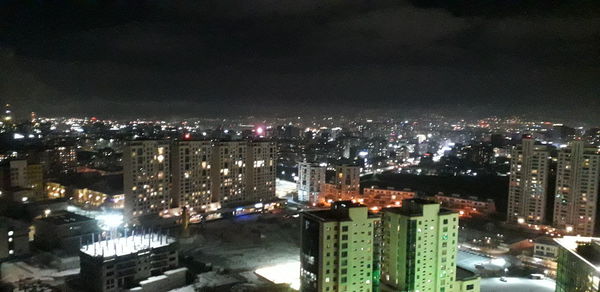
{"x":287,"y":273}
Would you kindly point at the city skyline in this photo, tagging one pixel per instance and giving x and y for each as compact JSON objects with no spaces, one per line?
{"x":300,"y":145}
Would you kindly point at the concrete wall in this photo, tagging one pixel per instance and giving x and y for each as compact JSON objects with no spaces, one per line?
{"x":168,"y":281}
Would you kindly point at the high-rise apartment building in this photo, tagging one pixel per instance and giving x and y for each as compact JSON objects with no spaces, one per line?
{"x":60,"y":160}
{"x":261,"y":171}
{"x":229,"y":168}
{"x":337,"y":251}
{"x":576,"y":197}
{"x":528,"y":183}
{"x":347,"y":180}
{"x":196,"y":174}
{"x":191,"y":165}
{"x":14,"y":238}
{"x":146,"y":175}
{"x":243,"y":171}
{"x":419,"y":247}
{"x":22,"y":181}
{"x":578,"y":264}
{"x":311,"y":180}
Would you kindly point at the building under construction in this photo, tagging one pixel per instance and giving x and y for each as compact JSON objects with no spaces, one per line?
{"x":121,"y":263}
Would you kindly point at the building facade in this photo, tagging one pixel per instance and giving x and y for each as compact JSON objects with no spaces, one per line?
{"x":22,"y":181}
{"x":419,"y":249}
{"x":528,"y":183}
{"x":469,"y":205}
{"x":576,"y":197}
{"x":337,"y":250}
{"x":197,"y":174}
{"x":545,"y":248}
{"x":311,"y":180}
{"x":243,"y":171}
{"x":347,"y":180}
{"x":578,"y":264}
{"x":382,"y":198}
{"x":146,"y":176}
{"x":191,"y":164}
{"x":261,"y":171}
{"x":118,"y":264}
{"x":59,"y":160}
{"x":63,"y":230}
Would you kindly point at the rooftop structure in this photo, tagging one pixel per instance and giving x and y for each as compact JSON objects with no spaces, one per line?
{"x":578,"y":264}
{"x":117,"y":264}
{"x":122,"y":246}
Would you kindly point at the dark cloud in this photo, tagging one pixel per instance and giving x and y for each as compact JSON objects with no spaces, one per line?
{"x":184,"y":57}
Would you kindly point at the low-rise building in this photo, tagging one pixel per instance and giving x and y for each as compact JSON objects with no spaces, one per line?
{"x":123,"y":263}
{"x":385,"y":197}
{"x":467,"y":281}
{"x":63,"y":230}
{"x":469,"y":205}
{"x":545,"y":248}
{"x":55,"y":190}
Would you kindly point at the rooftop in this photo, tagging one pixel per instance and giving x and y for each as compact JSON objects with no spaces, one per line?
{"x":462,"y":274}
{"x":587,"y":249}
{"x":338,"y":211}
{"x":127,"y":245}
{"x":545,"y":240}
{"x":414,"y":207}
{"x":65,"y":217}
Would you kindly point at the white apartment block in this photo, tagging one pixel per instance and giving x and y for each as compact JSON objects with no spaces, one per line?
{"x":146,"y":175}
{"x":229,"y":179}
{"x":576,"y":195}
{"x":243,"y":172}
{"x":528,"y":183}
{"x":311,"y":180}
{"x":261,"y":168}
{"x":347,"y":180}
{"x":196,"y":174}
{"x":191,"y":167}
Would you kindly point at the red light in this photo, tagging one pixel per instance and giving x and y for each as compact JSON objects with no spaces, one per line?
{"x":94,"y":119}
{"x":259,"y":130}
{"x":187,"y":136}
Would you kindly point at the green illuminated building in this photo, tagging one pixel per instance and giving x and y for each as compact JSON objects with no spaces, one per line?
{"x":419,"y":247}
{"x":578,"y":264}
{"x":338,"y":249}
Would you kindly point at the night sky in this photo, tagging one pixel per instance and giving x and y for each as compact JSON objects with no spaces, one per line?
{"x":223,"y":57}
